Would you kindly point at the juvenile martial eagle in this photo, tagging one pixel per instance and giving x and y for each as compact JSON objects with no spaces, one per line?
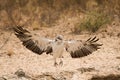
{"x":37,"y":44}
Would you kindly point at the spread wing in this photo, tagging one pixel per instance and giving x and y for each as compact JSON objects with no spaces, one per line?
{"x":33,"y":42}
{"x":82,"y":48}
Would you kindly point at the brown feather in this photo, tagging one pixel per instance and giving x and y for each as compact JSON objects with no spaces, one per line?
{"x":80,"y":48}
{"x":31,"y":41}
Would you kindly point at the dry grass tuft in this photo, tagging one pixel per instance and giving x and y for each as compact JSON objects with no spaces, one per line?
{"x":10,"y":52}
{"x":92,"y":22}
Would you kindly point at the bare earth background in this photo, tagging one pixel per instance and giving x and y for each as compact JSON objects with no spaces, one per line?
{"x":17,"y":62}
{"x":49,"y":18}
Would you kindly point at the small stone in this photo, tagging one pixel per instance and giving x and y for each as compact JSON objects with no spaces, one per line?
{"x":20,"y":73}
{"x":2,"y":78}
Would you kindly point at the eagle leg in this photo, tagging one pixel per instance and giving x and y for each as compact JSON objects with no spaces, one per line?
{"x":55,"y":63}
{"x":61,"y":62}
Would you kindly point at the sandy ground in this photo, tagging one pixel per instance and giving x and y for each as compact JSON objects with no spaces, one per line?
{"x":16,"y":58}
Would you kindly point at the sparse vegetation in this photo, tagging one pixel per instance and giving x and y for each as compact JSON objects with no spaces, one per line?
{"x":49,"y":18}
{"x":46,"y":13}
{"x":92,"y":22}
{"x":10,"y":52}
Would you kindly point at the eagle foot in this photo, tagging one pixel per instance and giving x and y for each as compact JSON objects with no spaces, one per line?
{"x":61,"y":63}
{"x":55,"y":64}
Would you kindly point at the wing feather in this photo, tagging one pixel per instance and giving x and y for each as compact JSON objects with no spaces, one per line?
{"x":82,"y":48}
{"x":33,"y":42}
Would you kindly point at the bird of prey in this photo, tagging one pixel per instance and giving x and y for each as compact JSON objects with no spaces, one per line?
{"x":39,"y":45}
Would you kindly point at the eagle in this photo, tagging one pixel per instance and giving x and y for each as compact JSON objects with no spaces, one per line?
{"x":56,"y":46}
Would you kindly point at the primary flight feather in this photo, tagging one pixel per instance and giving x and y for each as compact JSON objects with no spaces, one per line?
{"x":38,"y":45}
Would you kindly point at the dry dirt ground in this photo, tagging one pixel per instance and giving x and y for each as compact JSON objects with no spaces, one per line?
{"x":18,"y":63}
